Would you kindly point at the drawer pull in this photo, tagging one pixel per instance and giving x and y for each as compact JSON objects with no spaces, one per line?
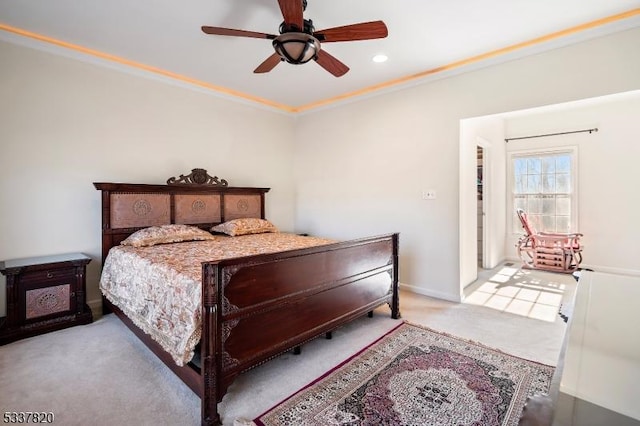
{"x":49,"y":274}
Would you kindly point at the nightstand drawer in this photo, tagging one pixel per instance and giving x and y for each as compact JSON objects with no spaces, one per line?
{"x":48,"y":275}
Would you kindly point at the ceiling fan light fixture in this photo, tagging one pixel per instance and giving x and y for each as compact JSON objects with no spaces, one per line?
{"x":296,"y":48}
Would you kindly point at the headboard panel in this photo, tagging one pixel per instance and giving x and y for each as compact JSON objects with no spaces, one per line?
{"x":202,"y":202}
{"x":131,"y":210}
{"x":199,"y":208}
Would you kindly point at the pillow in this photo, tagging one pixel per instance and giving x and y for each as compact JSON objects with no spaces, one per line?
{"x":166,"y":234}
{"x":245,"y":226}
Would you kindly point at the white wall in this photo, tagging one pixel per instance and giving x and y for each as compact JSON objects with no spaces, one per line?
{"x":353,"y":170}
{"x":361,"y":168}
{"x":65,"y":124}
{"x":608,"y":167}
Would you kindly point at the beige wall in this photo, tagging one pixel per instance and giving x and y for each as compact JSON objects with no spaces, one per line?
{"x":361,"y":167}
{"x":353,"y":170}
{"x":65,"y":124}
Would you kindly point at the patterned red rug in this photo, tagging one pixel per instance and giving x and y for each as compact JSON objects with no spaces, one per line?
{"x":416,"y":376}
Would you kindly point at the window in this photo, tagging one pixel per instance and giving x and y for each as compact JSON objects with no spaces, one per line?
{"x":543,"y":185}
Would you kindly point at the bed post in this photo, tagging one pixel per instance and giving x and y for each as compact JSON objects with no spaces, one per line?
{"x":209,"y":351}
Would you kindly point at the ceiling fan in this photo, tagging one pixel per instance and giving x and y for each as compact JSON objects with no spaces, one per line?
{"x":299,"y":42}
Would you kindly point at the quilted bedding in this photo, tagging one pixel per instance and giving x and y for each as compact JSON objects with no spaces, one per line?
{"x":159,"y":287}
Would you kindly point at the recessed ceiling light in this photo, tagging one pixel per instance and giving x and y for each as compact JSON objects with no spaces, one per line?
{"x":380,"y":58}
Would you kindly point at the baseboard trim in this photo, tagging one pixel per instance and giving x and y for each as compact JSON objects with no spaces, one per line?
{"x":610,"y":270}
{"x":597,"y":268}
{"x":96,"y":308}
{"x":430,"y":293}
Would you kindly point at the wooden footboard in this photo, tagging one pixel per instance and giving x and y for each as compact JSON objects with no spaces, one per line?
{"x":257,"y":307}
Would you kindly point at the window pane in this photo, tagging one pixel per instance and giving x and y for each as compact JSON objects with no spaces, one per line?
{"x":548,"y":165}
{"x":563,"y":205}
{"x":520,"y":184}
{"x":534,"y":205}
{"x":520,"y":166}
{"x":548,"y":183}
{"x":549,"y":223}
{"x":534,"y":165}
{"x":535,"y":220}
{"x":563,"y":163}
{"x":564,"y":224}
{"x":549,"y":206}
{"x":562,"y":183}
{"x":533,"y":184}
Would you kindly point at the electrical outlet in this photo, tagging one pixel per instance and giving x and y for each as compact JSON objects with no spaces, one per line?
{"x":429,"y":194}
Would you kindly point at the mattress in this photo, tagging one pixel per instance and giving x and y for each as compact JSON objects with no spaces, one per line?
{"x":159,"y":287}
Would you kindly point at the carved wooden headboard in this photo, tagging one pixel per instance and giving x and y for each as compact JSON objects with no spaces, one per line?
{"x":195,"y":199}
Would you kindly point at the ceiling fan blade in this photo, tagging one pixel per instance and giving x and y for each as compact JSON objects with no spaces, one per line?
{"x":331,"y":64}
{"x":237,"y":33}
{"x":269,"y":64}
{"x":292,"y":11}
{"x":362,"y":31}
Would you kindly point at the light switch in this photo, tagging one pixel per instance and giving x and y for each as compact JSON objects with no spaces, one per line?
{"x":429,"y":194}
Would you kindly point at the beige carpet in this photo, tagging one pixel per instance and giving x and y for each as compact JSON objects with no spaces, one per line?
{"x":101,"y":374}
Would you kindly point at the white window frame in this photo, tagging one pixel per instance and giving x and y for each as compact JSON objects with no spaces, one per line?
{"x":573,"y":153}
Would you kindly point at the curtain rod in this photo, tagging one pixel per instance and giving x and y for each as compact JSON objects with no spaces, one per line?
{"x":595,"y":129}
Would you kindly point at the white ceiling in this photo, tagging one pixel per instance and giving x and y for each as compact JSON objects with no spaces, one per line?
{"x":423,"y":35}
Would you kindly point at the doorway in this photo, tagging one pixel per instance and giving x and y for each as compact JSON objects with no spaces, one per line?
{"x":480,"y":204}
{"x":483,"y":204}
{"x":481,"y":220}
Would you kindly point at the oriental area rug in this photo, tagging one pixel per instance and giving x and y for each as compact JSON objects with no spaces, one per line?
{"x":417,"y":376}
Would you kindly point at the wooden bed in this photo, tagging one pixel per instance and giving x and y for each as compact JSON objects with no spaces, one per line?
{"x":290,"y":297}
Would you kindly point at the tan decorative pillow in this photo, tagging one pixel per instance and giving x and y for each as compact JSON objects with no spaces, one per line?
{"x":245,"y":226}
{"x":166,"y":234}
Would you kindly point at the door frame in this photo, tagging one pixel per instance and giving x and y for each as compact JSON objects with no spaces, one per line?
{"x":486,"y":199}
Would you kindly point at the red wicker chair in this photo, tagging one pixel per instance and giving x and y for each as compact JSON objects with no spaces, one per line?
{"x":548,"y":251}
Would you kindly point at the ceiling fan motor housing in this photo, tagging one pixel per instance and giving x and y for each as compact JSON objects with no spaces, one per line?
{"x":297,"y":47}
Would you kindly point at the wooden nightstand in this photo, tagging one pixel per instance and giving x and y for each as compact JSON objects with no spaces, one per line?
{"x":44,"y":294}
